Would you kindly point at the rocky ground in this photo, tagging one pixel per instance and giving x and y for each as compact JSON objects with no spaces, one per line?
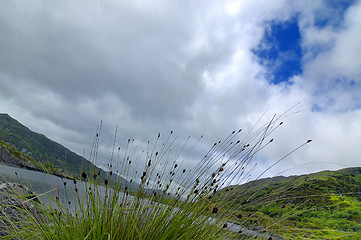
{"x":15,"y":161}
{"x":9,"y":158}
{"x":13,"y":198}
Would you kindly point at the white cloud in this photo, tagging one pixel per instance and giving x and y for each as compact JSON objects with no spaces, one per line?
{"x":185,"y":66}
{"x":333,"y":74}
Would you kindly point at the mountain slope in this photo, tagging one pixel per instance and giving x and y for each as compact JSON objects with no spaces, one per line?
{"x":40,"y":147}
{"x":25,"y":148}
{"x":316,"y":206}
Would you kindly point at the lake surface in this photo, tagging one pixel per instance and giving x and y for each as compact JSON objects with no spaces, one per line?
{"x":41,"y":183}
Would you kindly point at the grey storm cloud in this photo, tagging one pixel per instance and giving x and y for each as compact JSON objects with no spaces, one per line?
{"x":157,"y":66}
{"x":138,"y":55}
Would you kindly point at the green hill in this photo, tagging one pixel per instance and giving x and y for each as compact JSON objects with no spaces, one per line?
{"x":314,"y":206}
{"x":36,"y":146}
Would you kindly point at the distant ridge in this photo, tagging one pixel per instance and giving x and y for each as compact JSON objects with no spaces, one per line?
{"x":40,"y":147}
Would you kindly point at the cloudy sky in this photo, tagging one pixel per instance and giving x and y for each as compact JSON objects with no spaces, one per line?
{"x":195,"y":67}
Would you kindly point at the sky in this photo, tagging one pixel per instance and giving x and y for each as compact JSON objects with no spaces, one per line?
{"x":193,"y":67}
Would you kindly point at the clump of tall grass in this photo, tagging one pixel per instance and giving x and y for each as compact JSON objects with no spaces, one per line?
{"x":152,"y":193}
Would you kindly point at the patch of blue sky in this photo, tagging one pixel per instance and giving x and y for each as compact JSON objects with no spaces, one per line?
{"x":333,"y":14}
{"x":280,"y":50}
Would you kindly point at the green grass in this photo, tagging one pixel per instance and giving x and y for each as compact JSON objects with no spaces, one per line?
{"x":175,"y":196}
{"x":314,"y":206}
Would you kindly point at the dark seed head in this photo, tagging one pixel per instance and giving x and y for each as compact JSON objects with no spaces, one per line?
{"x":106,"y":182}
{"x":83,"y":175}
{"x":225,"y":225}
{"x":215,"y":210}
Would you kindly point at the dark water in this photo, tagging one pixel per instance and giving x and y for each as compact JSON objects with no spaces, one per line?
{"x":43,"y":184}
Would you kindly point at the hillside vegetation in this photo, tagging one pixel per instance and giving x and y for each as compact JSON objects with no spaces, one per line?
{"x":36,"y":146}
{"x":323,"y":205}
{"x":314,"y":206}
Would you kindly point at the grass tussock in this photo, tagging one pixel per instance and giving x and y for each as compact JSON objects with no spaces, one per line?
{"x":153,"y":193}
